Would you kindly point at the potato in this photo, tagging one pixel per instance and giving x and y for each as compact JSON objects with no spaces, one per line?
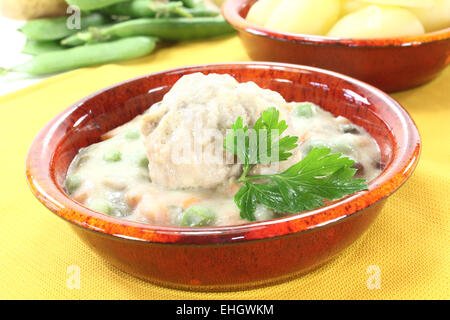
{"x":314,"y":17}
{"x":32,"y":9}
{"x":403,"y":3}
{"x":348,"y":6}
{"x":216,"y":2}
{"x":261,"y":10}
{"x":377,"y":22}
{"x":436,"y":17}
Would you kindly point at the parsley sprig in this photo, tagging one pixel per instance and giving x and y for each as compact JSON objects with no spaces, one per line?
{"x":304,"y":186}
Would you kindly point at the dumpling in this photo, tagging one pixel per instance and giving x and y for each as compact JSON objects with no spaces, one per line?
{"x":184,"y":135}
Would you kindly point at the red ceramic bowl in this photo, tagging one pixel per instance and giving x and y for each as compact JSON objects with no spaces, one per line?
{"x":390,"y":64}
{"x":232,"y":257}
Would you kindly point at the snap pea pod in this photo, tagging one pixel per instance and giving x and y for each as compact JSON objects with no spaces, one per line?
{"x":88,"y":55}
{"x":35,"y":48}
{"x":93,"y":4}
{"x":195,"y":4}
{"x":75,"y":39}
{"x":149,"y":9}
{"x":171,"y":29}
{"x":202,"y":12}
{"x":47,"y":29}
{"x":91,"y":35}
{"x":191,"y":3}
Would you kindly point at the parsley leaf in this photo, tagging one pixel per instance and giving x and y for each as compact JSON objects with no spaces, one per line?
{"x":262,"y":144}
{"x":269,"y":129}
{"x":304,"y":186}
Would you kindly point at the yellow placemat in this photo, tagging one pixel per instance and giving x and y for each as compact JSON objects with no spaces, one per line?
{"x":409,"y":244}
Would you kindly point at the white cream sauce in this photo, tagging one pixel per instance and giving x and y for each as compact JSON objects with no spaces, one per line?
{"x":113,"y":177}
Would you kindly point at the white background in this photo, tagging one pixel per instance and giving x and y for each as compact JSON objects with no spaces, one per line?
{"x":12,"y":42}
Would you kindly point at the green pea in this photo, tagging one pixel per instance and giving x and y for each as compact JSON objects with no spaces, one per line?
{"x":132,"y":134}
{"x":197,"y":216}
{"x":305,"y":110}
{"x":112,"y":156}
{"x":101,"y":206}
{"x":143,"y":161}
{"x":73,"y":182}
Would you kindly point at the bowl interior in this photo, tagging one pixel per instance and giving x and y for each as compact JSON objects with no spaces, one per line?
{"x":115,"y":106}
{"x":83,"y":124}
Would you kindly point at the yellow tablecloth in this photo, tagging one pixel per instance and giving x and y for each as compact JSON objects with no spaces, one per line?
{"x":409,"y":242}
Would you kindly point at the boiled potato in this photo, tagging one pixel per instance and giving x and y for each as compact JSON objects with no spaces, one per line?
{"x":349,"y":6}
{"x":404,"y":3}
{"x":436,"y":17}
{"x":377,"y":22}
{"x":261,"y":10}
{"x":216,"y":2}
{"x":314,"y":17}
{"x":32,"y":9}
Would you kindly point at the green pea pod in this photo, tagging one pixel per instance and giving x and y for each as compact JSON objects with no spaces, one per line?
{"x":72,"y":41}
{"x":171,"y":29}
{"x":35,"y":48}
{"x":150,"y":9}
{"x":191,"y":3}
{"x":203,"y":12}
{"x":93,"y":4}
{"x":134,"y":9}
{"x":48,"y":29}
{"x":84,"y":37}
{"x":88,"y":55}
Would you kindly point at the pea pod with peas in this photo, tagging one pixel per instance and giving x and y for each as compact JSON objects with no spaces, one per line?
{"x":114,"y":30}
{"x":47,"y":29}
{"x":151,"y":9}
{"x":170,"y":29}
{"x":88,"y":55}
{"x":93,"y":4}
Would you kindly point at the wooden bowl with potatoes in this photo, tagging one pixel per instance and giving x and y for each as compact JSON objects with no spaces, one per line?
{"x":393,"y":47}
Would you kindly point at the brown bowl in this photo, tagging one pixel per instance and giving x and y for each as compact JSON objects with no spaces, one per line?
{"x":231,"y":257}
{"x":391,"y":64}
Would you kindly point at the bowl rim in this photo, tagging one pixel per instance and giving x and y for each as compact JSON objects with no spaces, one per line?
{"x":40,"y":178}
{"x":230,"y":10}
